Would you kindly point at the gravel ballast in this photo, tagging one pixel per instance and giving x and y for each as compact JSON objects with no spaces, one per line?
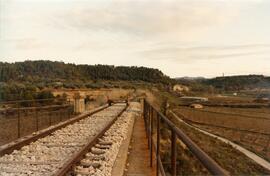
{"x":46,"y":155}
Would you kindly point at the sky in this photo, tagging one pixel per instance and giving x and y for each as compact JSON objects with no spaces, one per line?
{"x":179,"y":37}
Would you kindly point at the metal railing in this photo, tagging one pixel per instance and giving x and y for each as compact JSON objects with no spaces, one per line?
{"x":16,"y":120}
{"x":149,"y":113}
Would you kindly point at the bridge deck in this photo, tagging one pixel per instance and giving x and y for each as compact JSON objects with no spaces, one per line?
{"x":138,"y":159}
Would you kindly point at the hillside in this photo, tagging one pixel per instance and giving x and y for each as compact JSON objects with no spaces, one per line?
{"x":240,"y":82}
{"x":229,"y":83}
{"x":48,"y":70}
{"x":27,"y":80}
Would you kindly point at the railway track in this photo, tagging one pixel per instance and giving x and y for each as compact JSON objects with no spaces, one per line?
{"x":86,"y":147}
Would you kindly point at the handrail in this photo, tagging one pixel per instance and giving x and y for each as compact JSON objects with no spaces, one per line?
{"x":33,"y":100}
{"x":206,"y":160}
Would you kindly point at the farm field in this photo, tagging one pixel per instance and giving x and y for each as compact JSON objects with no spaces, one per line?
{"x":230,"y":100}
{"x":255,"y":112}
{"x":238,"y":121}
{"x":222,"y":153}
{"x":250,"y":130}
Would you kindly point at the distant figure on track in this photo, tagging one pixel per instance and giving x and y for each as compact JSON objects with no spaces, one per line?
{"x":109,"y":101}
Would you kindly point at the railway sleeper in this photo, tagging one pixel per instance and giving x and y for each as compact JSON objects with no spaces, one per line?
{"x":102,"y":146}
{"x":97,"y":151}
{"x":104,"y":142}
{"x":90,"y":156}
{"x":88,"y":163}
{"x":79,"y":170}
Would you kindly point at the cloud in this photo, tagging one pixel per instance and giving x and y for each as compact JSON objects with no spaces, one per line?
{"x":194,"y":53}
{"x":167,"y":34}
{"x":25,"y":43}
{"x":147,"y":18}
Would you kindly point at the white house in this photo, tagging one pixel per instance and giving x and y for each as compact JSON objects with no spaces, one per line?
{"x":180,"y":88}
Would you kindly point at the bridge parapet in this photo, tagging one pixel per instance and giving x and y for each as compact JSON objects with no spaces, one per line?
{"x":79,"y":103}
{"x":153,"y":119}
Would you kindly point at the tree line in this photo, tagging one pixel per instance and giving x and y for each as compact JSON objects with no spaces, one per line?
{"x":22,"y":80}
{"x":241,"y":82}
{"x":42,"y":70}
{"x":227,"y":83}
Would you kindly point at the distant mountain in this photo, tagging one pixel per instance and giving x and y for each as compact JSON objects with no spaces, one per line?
{"x":239,"y":82}
{"x":189,"y":78}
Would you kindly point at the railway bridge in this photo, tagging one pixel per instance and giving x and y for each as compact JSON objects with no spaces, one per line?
{"x":117,"y":138}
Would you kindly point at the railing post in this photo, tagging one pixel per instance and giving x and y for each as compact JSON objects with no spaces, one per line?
{"x":151,"y":135}
{"x":145,"y":116}
{"x":173,"y":153}
{"x":149,"y":126}
{"x":19,"y":123}
{"x":158,"y":142}
{"x":69,"y":112}
{"x":143,"y":107}
{"x":50,"y":118}
{"x":36,"y":114}
{"x":61,"y":115}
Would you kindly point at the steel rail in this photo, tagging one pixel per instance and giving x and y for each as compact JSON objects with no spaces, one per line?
{"x":17,"y":144}
{"x":78,"y":156}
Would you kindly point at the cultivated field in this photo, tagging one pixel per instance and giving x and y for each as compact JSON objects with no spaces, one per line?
{"x":225,"y":155}
{"x":228,"y":119}
{"x":249,"y":127}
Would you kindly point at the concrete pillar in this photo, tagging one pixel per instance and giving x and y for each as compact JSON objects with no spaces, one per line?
{"x":79,"y":103}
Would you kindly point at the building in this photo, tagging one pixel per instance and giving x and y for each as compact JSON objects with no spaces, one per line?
{"x":194,"y":99}
{"x":180,"y":88}
{"x":196,"y":106}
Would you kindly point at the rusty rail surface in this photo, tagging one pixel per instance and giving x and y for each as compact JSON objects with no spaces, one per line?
{"x":17,"y":144}
{"x":78,"y":156}
{"x":149,"y":113}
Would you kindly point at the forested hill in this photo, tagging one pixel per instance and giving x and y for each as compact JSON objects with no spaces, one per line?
{"x":47,"y":70}
{"x":233,"y":83}
{"x":239,"y":82}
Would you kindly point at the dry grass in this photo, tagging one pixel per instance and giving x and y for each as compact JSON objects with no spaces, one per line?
{"x":230,"y":99}
{"x":252,"y":133}
{"x":255,"y":112}
{"x":225,"y":155}
{"x":240,"y":121}
{"x":222,"y":153}
{"x":258,"y":143}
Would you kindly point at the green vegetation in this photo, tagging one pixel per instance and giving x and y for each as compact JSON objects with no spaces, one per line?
{"x":22,"y":80}
{"x":18,"y":91}
{"x":226,"y":83}
{"x":239,"y":82}
{"x":59,"y":71}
